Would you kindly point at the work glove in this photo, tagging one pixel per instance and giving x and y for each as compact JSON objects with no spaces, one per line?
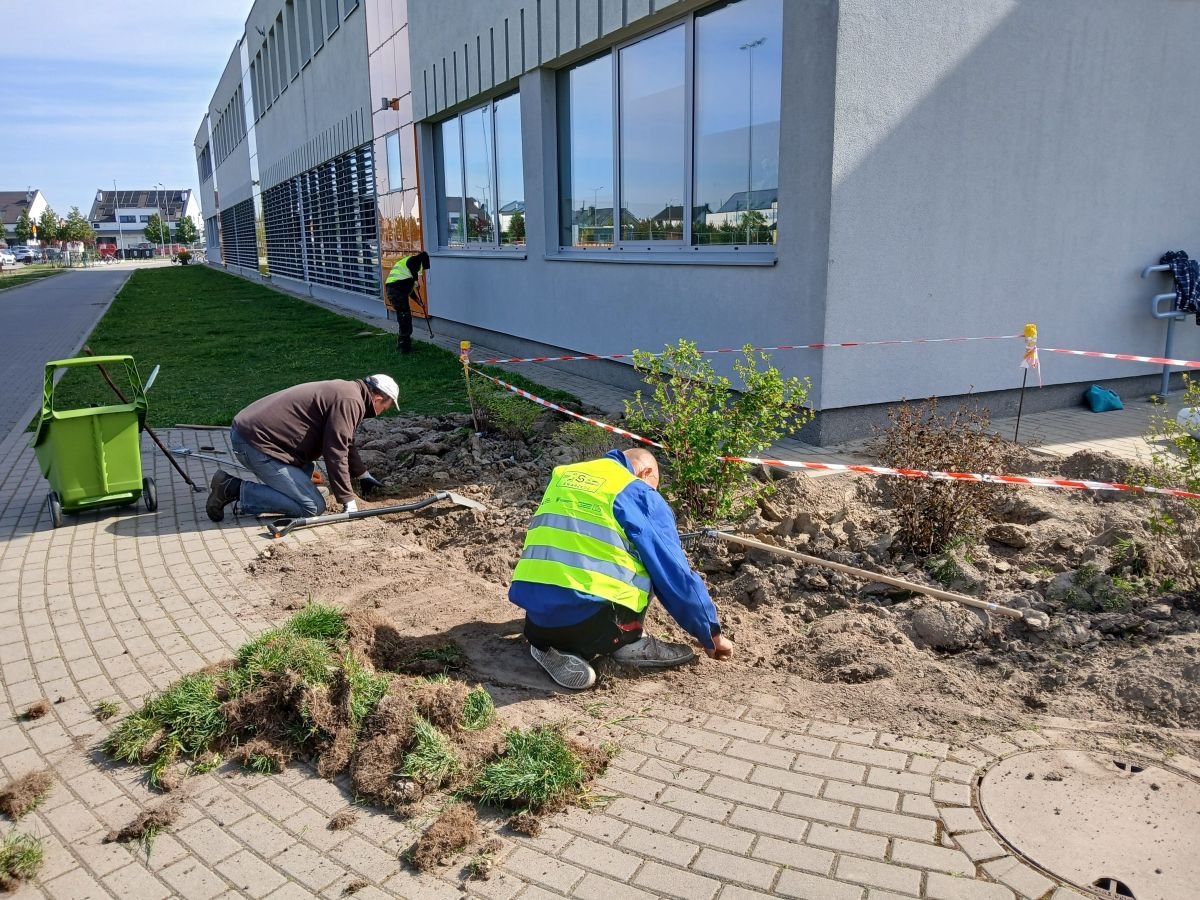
{"x":368,"y":484}
{"x":351,"y":506}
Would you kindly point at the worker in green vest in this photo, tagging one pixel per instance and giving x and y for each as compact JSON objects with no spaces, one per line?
{"x":601,"y":543}
{"x":401,"y":282}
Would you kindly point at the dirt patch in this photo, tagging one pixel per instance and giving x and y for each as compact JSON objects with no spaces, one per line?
{"x":23,"y":794}
{"x":150,"y":822}
{"x":342,"y":819}
{"x":36,"y":710}
{"x":1122,"y":646}
{"x":452,"y":832}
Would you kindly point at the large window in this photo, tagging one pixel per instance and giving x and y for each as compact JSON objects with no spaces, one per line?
{"x":481,"y":186}
{"x":673,"y":140}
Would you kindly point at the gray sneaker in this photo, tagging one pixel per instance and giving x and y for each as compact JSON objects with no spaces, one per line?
{"x":651,"y":653}
{"x":571,"y":671}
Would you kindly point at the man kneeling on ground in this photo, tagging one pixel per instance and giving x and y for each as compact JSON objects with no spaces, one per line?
{"x":601,"y":543}
{"x":280,"y":437}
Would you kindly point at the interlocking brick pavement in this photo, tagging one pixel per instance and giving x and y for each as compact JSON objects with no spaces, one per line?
{"x":736,"y":799}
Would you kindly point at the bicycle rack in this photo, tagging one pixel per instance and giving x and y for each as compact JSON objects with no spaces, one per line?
{"x":1172,"y":315}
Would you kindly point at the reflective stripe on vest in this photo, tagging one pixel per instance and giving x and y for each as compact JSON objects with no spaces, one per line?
{"x":575,"y":541}
{"x":401,"y":265}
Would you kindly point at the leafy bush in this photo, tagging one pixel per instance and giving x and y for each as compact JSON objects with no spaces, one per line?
{"x":934,"y":514}
{"x":1174,"y":460}
{"x":699,"y":418}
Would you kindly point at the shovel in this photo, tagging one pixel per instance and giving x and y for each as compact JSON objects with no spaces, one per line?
{"x":280,"y":527}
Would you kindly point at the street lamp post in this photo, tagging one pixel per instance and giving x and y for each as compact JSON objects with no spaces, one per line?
{"x":749,"y":46}
{"x":158,"y":209}
{"x":117,"y":216}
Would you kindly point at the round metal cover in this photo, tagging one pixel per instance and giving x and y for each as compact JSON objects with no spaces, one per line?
{"x":1117,"y":826}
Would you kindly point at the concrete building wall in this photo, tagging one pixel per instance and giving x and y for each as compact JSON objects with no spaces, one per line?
{"x":999,"y":162}
{"x":614,"y":303}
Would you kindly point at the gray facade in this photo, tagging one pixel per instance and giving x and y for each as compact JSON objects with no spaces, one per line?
{"x":289,"y":139}
{"x":944,"y":169}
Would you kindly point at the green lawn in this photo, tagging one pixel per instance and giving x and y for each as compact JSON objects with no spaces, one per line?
{"x":23,"y":274}
{"x":223,"y":342}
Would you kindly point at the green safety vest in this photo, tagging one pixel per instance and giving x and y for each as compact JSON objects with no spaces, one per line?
{"x":400,"y":271}
{"x":575,"y":541}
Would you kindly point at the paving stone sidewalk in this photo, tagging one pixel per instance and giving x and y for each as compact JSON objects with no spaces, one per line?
{"x":734,"y":800}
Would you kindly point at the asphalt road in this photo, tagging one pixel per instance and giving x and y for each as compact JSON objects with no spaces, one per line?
{"x":44,"y":320}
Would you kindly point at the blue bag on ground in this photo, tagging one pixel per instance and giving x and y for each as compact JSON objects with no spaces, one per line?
{"x":1101,"y":399}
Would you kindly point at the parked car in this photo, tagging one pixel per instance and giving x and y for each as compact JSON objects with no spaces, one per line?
{"x":7,"y":259}
{"x":23,"y":254}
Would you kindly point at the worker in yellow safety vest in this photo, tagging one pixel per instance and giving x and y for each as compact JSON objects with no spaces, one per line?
{"x":401,"y":281}
{"x":602,"y":542}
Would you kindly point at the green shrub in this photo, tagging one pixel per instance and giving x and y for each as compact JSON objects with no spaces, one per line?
{"x":699,"y":418}
{"x":932,"y":515}
{"x":1174,"y":462}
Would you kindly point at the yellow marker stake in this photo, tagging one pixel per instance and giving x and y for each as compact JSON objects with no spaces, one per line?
{"x":464,"y":356}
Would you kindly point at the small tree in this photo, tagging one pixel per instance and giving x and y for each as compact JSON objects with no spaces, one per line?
{"x":49,"y":226}
{"x":3,"y":232}
{"x":157,"y":231}
{"x":185,"y":230}
{"x":24,"y":227}
{"x":699,"y":418}
{"x":77,"y":228}
{"x":516,"y":228}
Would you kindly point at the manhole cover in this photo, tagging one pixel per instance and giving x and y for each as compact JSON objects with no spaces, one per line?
{"x":1118,"y":826}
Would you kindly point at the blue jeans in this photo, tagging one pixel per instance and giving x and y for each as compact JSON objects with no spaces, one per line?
{"x":285,"y":489}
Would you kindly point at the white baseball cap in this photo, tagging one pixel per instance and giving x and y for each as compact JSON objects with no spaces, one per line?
{"x":386,"y":385}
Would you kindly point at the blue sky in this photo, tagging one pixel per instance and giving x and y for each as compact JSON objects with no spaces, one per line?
{"x":90,"y":92}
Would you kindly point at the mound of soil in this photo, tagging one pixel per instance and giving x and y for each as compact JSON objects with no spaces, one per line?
{"x":1122,"y":646}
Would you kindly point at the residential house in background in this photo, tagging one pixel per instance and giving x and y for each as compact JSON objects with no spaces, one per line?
{"x":119,"y":218}
{"x":856,"y":171}
{"x":13,"y":203}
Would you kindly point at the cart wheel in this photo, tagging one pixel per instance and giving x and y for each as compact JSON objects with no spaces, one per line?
{"x":149,"y":495}
{"x":55,"y":505}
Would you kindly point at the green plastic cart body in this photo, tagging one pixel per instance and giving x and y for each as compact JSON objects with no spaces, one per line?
{"x":92,"y":456}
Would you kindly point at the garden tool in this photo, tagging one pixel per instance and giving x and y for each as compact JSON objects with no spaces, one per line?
{"x":1033,"y":618}
{"x":280,"y":527}
{"x":154,"y":437}
{"x":189,"y":452}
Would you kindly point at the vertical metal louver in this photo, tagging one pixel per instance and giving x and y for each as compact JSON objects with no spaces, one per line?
{"x":322,"y":226}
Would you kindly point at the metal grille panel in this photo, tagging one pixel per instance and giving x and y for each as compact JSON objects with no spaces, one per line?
{"x":322,"y":226}
{"x":239,"y":247}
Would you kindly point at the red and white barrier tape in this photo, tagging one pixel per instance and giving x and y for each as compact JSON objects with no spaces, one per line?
{"x":1189,"y":363}
{"x":1077,"y":484}
{"x":566,"y":412}
{"x":821,"y":346}
{"x":1020,"y":480}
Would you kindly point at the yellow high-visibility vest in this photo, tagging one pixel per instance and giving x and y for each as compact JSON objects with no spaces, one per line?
{"x":575,"y":541}
{"x":400,"y":271}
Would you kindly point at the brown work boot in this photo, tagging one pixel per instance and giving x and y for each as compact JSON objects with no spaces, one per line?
{"x":222,"y":490}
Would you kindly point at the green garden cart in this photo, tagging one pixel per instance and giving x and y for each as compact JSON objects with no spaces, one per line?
{"x":92,"y":456}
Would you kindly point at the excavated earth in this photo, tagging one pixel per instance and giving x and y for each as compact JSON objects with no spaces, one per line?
{"x":1121,"y":651}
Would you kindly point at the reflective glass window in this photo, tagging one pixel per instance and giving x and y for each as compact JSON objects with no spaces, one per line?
{"x":479,"y":168}
{"x":510,"y":177}
{"x":394,"y":170}
{"x":451,"y":226}
{"x":585,"y":154}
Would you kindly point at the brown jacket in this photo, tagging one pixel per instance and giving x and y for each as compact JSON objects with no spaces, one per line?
{"x":301,"y":424}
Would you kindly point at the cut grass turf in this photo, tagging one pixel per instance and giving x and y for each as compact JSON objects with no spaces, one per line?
{"x":224,"y":342}
{"x":538,"y":769}
{"x":21,"y":857}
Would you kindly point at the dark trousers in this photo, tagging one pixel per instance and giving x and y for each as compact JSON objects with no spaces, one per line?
{"x":398,"y":293}
{"x":611,"y":627}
